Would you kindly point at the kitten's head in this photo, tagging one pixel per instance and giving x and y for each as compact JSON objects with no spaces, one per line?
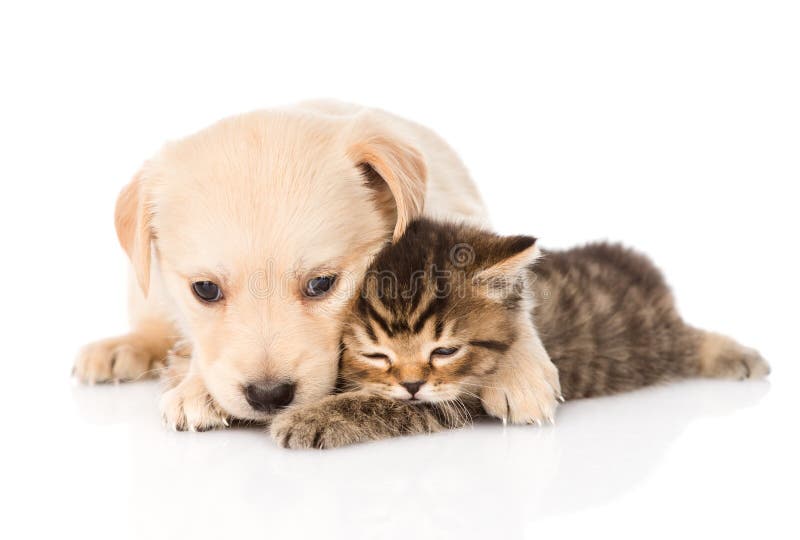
{"x":437,"y":311}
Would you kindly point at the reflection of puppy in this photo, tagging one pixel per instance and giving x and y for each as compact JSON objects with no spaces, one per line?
{"x":247,"y":239}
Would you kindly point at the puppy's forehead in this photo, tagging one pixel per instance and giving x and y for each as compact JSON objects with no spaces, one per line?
{"x":254,"y":189}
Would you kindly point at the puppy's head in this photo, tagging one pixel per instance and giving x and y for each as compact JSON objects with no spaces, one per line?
{"x":259,"y":229}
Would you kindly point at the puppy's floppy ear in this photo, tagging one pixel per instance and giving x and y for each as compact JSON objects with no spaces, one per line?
{"x":132,"y":221}
{"x":393,"y":167}
{"x":510,"y":258}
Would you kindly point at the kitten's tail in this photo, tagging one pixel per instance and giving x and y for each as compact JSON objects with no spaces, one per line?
{"x":720,"y":357}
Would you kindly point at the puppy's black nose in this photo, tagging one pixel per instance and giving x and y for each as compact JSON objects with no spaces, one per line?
{"x":269,"y":396}
{"x":412,"y":387}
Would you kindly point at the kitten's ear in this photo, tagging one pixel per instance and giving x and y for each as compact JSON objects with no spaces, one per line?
{"x":508,"y":264}
{"x":392,"y":166}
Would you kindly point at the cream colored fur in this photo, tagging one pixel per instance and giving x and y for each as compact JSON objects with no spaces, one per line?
{"x":260,"y":203}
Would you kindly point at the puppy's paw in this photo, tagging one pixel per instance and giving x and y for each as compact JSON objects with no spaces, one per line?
{"x":177,"y":366}
{"x":189,"y":407}
{"x":117,"y":359}
{"x":527,"y":396}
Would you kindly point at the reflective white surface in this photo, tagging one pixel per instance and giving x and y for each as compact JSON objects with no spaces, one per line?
{"x":702,"y":455}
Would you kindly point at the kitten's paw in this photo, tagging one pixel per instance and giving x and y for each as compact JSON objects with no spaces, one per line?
{"x":303,"y":429}
{"x":189,"y":407}
{"x":291,"y":430}
{"x":517,"y":407}
{"x":117,"y":359}
{"x":743,"y":363}
{"x":530,"y":396}
{"x":348,"y":418}
{"x":722,"y":357}
{"x":756,"y":367}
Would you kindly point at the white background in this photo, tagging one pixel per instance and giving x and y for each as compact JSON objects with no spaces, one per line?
{"x":673,"y":126}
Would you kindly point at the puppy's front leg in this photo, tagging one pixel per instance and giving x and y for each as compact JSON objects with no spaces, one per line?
{"x":525,"y":389}
{"x":187,"y":405}
{"x":139,"y":354}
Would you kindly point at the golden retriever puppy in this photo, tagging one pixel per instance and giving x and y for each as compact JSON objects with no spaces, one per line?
{"x":246,"y":242}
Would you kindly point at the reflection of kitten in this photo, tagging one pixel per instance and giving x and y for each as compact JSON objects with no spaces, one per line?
{"x":445,"y":317}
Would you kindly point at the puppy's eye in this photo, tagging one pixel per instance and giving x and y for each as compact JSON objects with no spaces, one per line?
{"x":207,"y":291}
{"x":319,"y":286}
{"x":444,"y":351}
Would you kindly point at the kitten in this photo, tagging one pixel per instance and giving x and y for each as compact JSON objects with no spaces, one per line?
{"x":452,"y":320}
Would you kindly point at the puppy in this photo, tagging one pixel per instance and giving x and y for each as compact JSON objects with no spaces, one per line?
{"x":248,"y":239}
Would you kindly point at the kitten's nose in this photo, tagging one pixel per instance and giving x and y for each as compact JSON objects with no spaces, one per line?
{"x":269,"y":396}
{"x":412,"y":387}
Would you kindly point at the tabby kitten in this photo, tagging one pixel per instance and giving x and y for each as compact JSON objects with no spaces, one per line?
{"x":452,"y":319}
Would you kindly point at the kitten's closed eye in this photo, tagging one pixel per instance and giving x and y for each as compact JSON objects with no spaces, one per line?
{"x":377,"y":359}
